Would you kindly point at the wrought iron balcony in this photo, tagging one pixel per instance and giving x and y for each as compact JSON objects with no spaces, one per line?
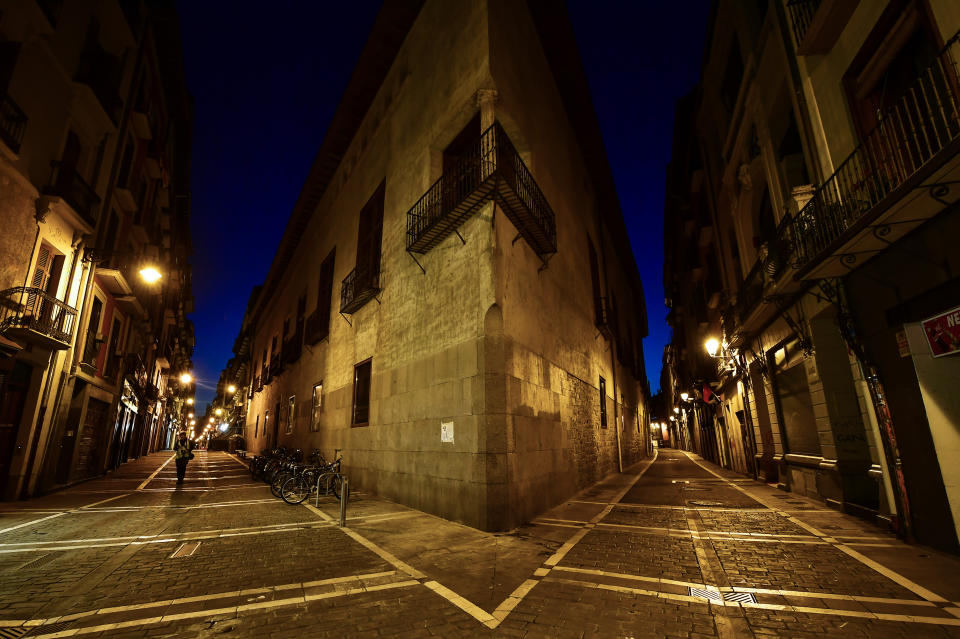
{"x":601,"y":310}
{"x":101,"y":71}
{"x":801,"y":16}
{"x":35,"y":315}
{"x":13,"y":122}
{"x":776,"y":256}
{"x":317,"y":327}
{"x":66,"y":183}
{"x":912,"y":140}
{"x":358,"y":288}
{"x":491,"y":170}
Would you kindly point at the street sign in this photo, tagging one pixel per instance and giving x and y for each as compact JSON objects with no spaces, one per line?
{"x":943,"y":332}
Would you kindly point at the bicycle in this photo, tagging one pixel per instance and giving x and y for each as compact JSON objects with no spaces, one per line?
{"x":298,"y":488}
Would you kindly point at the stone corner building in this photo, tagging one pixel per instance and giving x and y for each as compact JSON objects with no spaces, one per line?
{"x":811,"y":225}
{"x":455,"y":303}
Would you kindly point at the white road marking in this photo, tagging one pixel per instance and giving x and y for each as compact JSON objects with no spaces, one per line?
{"x":154,"y":473}
{"x":943,"y":621}
{"x":62,"y":513}
{"x":844,"y":548}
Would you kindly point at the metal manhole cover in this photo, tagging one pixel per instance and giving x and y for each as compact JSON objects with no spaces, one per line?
{"x":704,"y":502}
{"x":697,"y":488}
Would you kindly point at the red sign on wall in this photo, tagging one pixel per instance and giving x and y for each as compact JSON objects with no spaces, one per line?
{"x":943,"y":333}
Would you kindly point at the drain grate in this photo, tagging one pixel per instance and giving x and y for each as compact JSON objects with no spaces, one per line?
{"x":185,"y":550}
{"x":741,"y":597}
{"x":13,"y":633}
{"x":47,"y":628}
{"x":712,"y":595}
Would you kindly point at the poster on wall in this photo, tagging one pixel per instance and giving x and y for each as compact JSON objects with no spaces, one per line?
{"x":943,"y":332}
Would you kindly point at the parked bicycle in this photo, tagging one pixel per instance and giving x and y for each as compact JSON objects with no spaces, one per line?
{"x":316,"y":480}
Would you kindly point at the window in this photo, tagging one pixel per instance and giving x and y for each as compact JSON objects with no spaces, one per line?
{"x":316,"y":406}
{"x":793,"y":398}
{"x":361,"y":393}
{"x":92,"y":348}
{"x":369,"y":237}
{"x":256,"y":427}
{"x":266,"y":418}
{"x":318,"y":326}
{"x":595,"y":283}
{"x":291,"y":412}
{"x":603,"y":402}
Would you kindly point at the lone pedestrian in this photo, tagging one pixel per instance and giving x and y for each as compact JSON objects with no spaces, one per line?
{"x":184,"y":450}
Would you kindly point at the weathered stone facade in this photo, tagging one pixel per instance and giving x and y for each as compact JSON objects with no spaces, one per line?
{"x":479,"y":332}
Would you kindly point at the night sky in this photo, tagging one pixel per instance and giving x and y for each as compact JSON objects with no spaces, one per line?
{"x":266,"y":83}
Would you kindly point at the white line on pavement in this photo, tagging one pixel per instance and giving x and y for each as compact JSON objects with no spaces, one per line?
{"x":154,"y":473}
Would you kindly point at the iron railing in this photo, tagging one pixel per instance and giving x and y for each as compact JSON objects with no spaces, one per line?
{"x":13,"y":122}
{"x":601,"y":315}
{"x":801,"y":16}
{"x":490,"y":170}
{"x":36,"y":310}
{"x":66,"y":183}
{"x":920,"y":124}
{"x":775,"y":256}
{"x":359,"y":287}
{"x":317,"y":326}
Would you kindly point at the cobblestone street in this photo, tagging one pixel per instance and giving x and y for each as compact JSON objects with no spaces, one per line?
{"x":672,"y":548}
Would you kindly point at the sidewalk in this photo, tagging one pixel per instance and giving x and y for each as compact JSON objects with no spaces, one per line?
{"x":672,"y":548}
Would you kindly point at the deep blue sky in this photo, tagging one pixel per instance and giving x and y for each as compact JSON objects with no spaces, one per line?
{"x":266,"y":84}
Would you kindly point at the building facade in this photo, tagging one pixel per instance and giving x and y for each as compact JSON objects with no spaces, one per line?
{"x":810,"y":204}
{"x":94,"y":191}
{"x":455,"y":304}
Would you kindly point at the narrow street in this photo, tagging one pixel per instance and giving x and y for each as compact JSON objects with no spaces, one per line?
{"x":675,"y":548}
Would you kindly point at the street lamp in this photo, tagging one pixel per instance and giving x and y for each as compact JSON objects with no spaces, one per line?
{"x":683,"y":397}
{"x":231,"y":389}
{"x":189,"y":401}
{"x":186,"y":378}
{"x":676,"y":410}
{"x":712,"y":345}
{"x":219,"y":411}
{"x":190,"y":415}
{"x":150,"y":275}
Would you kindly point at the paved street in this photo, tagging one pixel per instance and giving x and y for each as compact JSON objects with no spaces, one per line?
{"x":675,"y":548}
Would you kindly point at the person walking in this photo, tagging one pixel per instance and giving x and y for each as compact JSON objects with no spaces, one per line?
{"x":184,"y":451}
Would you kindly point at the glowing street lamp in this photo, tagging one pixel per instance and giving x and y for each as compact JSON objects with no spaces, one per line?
{"x":231,"y":389}
{"x":712,"y":345}
{"x":186,"y":378}
{"x":150,"y":274}
{"x":189,"y":401}
{"x":190,"y":415}
{"x":683,"y":397}
{"x":219,"y":411}
{"x":676,"y":410}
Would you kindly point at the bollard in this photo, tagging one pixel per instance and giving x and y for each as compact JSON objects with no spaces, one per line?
{"x":344,"y":490}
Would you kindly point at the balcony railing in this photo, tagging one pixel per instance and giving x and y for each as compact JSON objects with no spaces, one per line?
{"x":65,"y":182}
{"x":601,"y":313}
{"x":358,"y":288}
{"x":491,"y":170}
{"x":317,"y":327}
{"x":35,"y":310}
{"x":801,"y":16}
{"x":101,"y":71}
{"x":13,"y":122}
{"x":775,"y":256}
{"x":923,"y":122}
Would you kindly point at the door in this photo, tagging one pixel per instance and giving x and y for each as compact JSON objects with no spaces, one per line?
{"x":92,"y":439}
{"x":13,"y":394}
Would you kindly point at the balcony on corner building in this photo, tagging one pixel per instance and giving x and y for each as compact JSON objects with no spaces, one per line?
{"x":101,"y":71}
{"x":817,"y":24}
{"x":66,"y":183}
{"x":491,"y":170}
{"x":37,"y":317}
{"x":359,"y":287}
{"x":900,"y":175}
{"x":13,"y":122}
{"x":601,"y":310}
